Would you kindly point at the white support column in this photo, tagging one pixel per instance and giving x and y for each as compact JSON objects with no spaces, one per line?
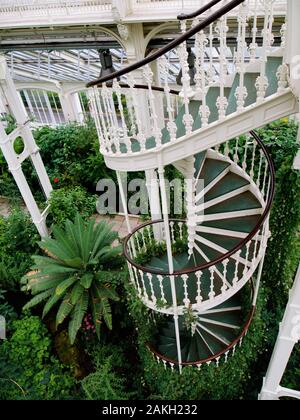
{"x":66,"y":101}
{"x":152,"y":184}
{"x":289,"y":335}
{"x":164,"y":201}
{"x":293,"y":45}
{"x":16,"y":170}
{"x":124,"y":199}
{"x":78,"y":111}
{"x":30,"y":149}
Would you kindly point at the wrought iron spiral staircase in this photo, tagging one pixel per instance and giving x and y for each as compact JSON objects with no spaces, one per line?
{"x":201,"y":274}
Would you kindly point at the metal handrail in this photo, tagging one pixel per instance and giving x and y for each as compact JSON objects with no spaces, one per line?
{"x":173,"y":44}
{"x":198,"y":12}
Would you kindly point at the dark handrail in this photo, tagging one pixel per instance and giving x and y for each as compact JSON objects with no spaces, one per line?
{"x":198,"y":12}
{"x":173,"y":44}
{"x":229,"y":254}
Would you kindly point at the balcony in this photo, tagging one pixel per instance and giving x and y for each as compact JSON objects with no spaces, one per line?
{"x":27,"y":13}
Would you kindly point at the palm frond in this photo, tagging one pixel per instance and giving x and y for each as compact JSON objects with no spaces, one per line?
{"x":63,"y":286}
{"x":77,"y":316}
{"x":38,"y":299}
{"x":64,"y":310}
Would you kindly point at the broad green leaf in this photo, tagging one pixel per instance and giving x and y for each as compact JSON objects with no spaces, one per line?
{"x":76,"y":293}
{"x":38,"y":299}
{"x":86,"y":280}
{"x":63,"y":286}
{"x":51,"y":302}
{"x":64,"y":310}
{"x":77,"y":316}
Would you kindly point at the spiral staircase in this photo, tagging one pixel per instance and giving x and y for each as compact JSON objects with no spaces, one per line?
{"x":200,"y":274}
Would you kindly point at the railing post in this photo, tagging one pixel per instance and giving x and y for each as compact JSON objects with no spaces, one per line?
{"x":170,"y":258}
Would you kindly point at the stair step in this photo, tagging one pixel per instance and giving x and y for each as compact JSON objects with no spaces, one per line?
{"x":212,"y":169}
{"x":229,"y":183}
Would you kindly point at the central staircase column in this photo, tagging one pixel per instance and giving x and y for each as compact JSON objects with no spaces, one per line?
{"x":170,"y":259}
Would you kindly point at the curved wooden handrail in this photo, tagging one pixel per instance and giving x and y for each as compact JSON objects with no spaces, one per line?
{"x":228,"y":254}
{"x":198,"y":12}
{"x":173,"y":44}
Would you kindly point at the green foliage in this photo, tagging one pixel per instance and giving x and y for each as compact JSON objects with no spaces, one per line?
{"x":7,"y":311}
{"x":71,"y":155}
{"x":18,"y":241}
{"x":105,"y":383}
{"x":66,"y":202}
{"x":28,"y":369}
{"x":78,"y":274}
{"x":228,"y":381}
{"x":284,"y":247}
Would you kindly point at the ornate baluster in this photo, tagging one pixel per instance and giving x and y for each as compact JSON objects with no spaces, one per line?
{"x":218,"y":361}
{"x":136,"y":238}
{"x":143,"y":240}
{"x":102,"y":119}
{"x":244,"y":165}
{"x":212,"y":293}
{"x":133,"y":128}
{"x":211,"y":56}
{"x":163,"y":298}
{"x":186,"y":299}
{"x":265,"y":178}
{"x":226,"y":149}
{"x":226,"y":356}
{"x":241,"y":92}
{"x":200,"y":77}
{"x":253,"y":159}
{"x":199,"y":297}
{"x":172,"y":232}
{"x":187,"y":91}
{"x":145,"y":294}
{"x":236,"y":154}
{"x":153,"y":297}
{"x":236,"y":272}
{"x":141,"y":137}
{"x":225,"y":266}
{"x":148,"y":76}
{"x":247,"y":257}
{"x":136,"y":274}
{"x":180,"y":224}
{"x":282,"y":75}
{"x":95,"y":114}
{"x":253,"y":46}
{"x":256,"y":238}
{"x":132,"y":246}
{"x":222,"y":102}
{"x":283,"y":33}
{"x":164,"y":68}
{"x":262,"y":82}
{"x":109,"y":111}
{"x":117,"y":89}
{"x":259,"y":169}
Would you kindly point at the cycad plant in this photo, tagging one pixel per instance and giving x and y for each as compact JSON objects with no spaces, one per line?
{"x":76,"y":274}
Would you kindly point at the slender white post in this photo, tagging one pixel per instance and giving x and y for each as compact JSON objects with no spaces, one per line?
{"x":170,"y":259}
{"x":154,"y":200}
{"x":289,"y":335}
{"x":124,"y":201}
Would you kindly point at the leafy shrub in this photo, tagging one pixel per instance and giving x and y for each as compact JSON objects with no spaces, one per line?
{"x":18,"y":241}
{"x":65,"y":203}
{"x":7,"y":311}
{"x":79,"y":273}
{"x":71,"y":155}
{"x":28,"y":369}
{"x":105,"y":383}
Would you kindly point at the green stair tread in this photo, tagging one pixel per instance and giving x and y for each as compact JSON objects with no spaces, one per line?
{"x":199,"y":158}
{"x":215,"y":345}
{"x":226,"y":242}
{"x":249,"y":83}
{"x":211,"y":169}
{"x":245,"y":201}
{"x":271,"y":69}
{"x":229,"y":183}
{"x":238,"y":224}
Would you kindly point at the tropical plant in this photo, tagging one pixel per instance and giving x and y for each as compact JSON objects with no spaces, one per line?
{"x":77,"y":273}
